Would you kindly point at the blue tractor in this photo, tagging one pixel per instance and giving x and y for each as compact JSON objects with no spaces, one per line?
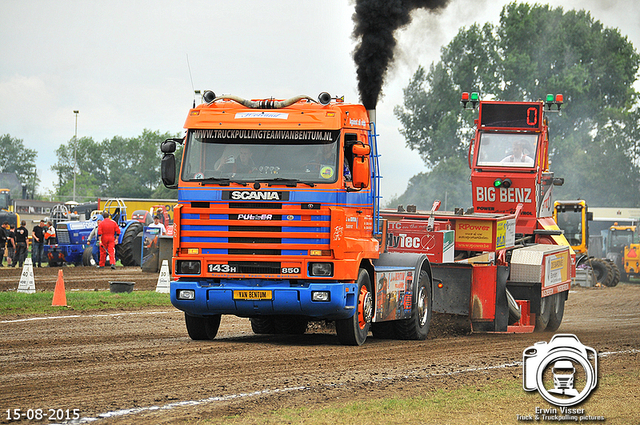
{"x":73,"y":239}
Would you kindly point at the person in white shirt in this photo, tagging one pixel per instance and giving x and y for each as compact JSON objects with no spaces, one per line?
{"x":156,"y":223}
{"x":519,"y":154}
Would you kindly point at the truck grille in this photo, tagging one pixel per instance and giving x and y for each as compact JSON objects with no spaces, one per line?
{"x":257,"y":238}
{"x":63,"y":236}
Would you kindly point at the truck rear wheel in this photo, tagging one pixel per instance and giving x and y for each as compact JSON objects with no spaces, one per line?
{"x":290,"y":325}
{"x":417,"y":326}
{"x":354,"y":330}
{"x":557,"y":312}
{"x":202,"y":328}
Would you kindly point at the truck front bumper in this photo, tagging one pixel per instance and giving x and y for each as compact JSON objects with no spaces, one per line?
{"x":203,"y":297}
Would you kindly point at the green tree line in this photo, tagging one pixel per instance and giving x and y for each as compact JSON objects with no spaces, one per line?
{"x":116,"y":167}
{"x":534,"y":50}
{"x":16,"y":158}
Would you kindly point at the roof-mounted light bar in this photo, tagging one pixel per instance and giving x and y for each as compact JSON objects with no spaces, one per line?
{"x":558,"y":100}
{"x":474,"y":98}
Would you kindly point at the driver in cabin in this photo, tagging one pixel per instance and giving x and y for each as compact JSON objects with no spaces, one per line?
{"x":519,"y":154}
{"x":241,"y":163}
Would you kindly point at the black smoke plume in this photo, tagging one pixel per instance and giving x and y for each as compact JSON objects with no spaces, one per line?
{"x":375,"y":22}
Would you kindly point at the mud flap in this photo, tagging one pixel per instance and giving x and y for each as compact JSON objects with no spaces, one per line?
{"x":452,"y":288}
{"x":498,"y":320}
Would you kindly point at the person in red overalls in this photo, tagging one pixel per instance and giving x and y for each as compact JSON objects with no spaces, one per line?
{"x":107,"y":240}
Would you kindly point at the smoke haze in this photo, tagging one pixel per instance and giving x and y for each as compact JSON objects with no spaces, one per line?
{"x":375,"y":24}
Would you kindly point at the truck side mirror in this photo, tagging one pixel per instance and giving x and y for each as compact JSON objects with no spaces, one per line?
{"x":361,"y":172}
{"x":168,"y":170}
{"x":169,"y":145}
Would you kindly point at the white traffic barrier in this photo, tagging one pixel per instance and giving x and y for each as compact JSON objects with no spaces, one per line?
{"x":164,"y":280}
{"x":27,"y":283}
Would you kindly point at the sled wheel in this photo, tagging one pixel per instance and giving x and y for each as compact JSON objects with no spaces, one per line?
{"x":354,"y":330}
{"x":542,"y":318}
{"x":557,"y":312}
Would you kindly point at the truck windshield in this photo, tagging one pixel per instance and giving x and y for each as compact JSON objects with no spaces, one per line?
{"x":571,"y":222}
{"x":4,"y":201}
{"x":261,"y":155}
{"x":507,"y":150}
{"x":618,"y":239}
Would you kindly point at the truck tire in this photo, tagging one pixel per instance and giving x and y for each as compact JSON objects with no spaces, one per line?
{"x":557,"y":312}
{"x":202,"y":328}
{"x":601,"y":270}
{"x":615,"y":277}
{"x":383,"y":330}
{"x":87,"y":257}
{"x":263,"y":325}
{"x":542,"y":318}
{"x":618,"y":259}
{"x":354,"y":330}
{"x":290,"y":325}
{"x":417,"y":326}
{"x":126,"y":252}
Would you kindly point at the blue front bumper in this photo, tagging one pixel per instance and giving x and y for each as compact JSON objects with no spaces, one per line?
{"x":286,"y":298}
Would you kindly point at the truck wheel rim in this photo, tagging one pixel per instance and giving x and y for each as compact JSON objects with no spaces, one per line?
{"x":423,"y":310}
{"x":365,"y":307}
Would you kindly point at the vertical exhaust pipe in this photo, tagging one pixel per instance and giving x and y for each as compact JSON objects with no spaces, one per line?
{"x":372,"y":115}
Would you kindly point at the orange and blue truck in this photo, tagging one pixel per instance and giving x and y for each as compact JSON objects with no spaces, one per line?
{"x":279,"y":220}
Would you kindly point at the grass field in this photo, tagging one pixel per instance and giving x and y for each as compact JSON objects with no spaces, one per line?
{"x":499,"y":402}
{"x":14,"y":303}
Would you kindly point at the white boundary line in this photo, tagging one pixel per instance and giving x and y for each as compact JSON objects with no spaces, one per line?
{"x":136,"y":410}
{"x":75,"y":316}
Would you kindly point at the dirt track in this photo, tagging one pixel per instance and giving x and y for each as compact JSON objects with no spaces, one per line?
{"x":141,"y":367}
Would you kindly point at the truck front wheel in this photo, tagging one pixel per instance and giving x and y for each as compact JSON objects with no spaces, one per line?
{"x":354,"y":330}
{"x":202,"y":328}
{"x":417,"y":326}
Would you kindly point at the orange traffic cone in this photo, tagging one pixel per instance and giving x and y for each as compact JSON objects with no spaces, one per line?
{"x":59,"y":295}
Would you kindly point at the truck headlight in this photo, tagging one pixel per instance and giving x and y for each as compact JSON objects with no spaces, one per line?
{"x":321,"y":269}
{"x":323,"y":296}
{"x":188,"y":267}
{"x":186,"y":294}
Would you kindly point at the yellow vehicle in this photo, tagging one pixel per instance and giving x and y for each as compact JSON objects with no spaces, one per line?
{"x":6,"y":209}
{"x":623,"y":248}
{"x":573,"y":218}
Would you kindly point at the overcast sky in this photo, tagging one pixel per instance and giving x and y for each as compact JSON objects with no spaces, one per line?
{"x":123,"y":64}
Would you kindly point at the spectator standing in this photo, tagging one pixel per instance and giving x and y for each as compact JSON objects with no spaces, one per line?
{"x":37,"y":243}
{"x":21,"y":235}
{"x":107,"y":240}
{"x":11,"y":243}
{"x":156,"y":223}
{"x":3,"y":241}
{"x":50,"y":235}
